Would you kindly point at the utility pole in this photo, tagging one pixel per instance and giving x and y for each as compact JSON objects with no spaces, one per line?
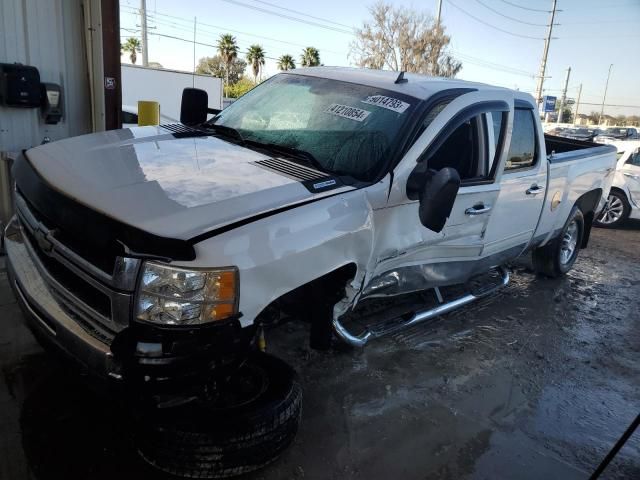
{"x":143,"y":23}
{"x":545,"y":53}
{"x":604,"y":97}
{"x":563,"y":99}
{"x":193,"y":77}
{"x":439,"y":14}
{"x":575,"y":115}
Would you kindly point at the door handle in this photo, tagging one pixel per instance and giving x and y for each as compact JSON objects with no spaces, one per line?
{"x":631,"y":175}
{"x":477,"y":209}
{"x":534,"y":190}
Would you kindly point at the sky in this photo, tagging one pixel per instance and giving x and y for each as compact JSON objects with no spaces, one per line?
{"x":499,"y":42}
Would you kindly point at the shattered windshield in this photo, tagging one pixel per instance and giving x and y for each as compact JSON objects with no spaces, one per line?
{"x":342,"y":128}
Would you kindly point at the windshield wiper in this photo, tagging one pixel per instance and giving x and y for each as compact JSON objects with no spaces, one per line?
{"x":296,"y":153}
{"x":227,"y":132}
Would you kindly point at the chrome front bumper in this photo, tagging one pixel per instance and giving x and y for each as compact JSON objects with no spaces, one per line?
{"x":50,"y":322}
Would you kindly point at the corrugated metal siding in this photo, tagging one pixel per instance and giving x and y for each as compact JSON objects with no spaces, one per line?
{"x":48,"y":35}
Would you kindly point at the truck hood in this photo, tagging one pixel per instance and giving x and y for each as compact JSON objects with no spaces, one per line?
{"x":174,"y":184}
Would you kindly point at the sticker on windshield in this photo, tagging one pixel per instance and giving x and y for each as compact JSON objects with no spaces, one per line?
{"x":345,"y":111}
{"x":389,"y":103}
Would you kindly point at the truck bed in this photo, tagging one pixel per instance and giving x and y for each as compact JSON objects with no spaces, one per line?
{"x":576,"y":168}
{"x":561,"y":149}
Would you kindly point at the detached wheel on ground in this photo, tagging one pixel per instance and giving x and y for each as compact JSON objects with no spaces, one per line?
{"x":615,"y":211}
{"x":242,"y":427}
{"x":558,"y":256}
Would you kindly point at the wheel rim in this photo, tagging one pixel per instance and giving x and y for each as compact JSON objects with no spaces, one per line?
{"x":612,"y":211}
{"x":569,"y":243}
{"x":241,"y":388}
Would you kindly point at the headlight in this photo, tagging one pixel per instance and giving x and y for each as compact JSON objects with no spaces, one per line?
{"x":177,"y":296}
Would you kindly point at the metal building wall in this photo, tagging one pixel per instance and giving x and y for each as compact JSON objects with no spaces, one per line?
{"x":50,"y":36}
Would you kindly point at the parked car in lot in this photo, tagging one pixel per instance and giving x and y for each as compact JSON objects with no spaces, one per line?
{"x":585,"y":134}
{"x":157,"y":256}
{"x":623,"y":201}
{"x":616,"y":134}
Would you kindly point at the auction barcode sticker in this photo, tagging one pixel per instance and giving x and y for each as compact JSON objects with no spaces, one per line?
{"x":389,"y":103}
{"x":345,"y":111}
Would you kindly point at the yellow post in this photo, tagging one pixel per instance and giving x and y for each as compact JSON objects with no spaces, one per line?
{"x":148,"y":113}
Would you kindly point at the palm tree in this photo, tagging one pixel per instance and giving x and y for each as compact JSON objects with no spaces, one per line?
{"x":228,"y":50}
{"x":310,"y":57}
{"x":286,"y":62}
{"x":131,"y":46}
{"x":255,"y":56}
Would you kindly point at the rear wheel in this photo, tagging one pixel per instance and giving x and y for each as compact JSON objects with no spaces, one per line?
{"x":615,"y":211}
{"x":558,"y":256}
{"x":242,"y":426}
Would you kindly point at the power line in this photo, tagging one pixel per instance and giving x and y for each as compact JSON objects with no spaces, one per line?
{"x":189,"y":23}
{"x":188,"y":28}
{"x":303,"y":14}
{"x":289,"y":17}
{"x":486,"y":63}
{"x":525,"y":8}
{"x":238,"y":32}
{"x":484,"y":23}
{"x":198,"y":43}
{"x":210,"y":35}
{"x":611,"y":105}
{"x":510,"y":18}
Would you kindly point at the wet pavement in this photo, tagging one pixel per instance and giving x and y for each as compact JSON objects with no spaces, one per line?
{"x":535,"y":382}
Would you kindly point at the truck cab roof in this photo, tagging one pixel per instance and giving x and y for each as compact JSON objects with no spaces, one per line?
{"x":417,"y":85}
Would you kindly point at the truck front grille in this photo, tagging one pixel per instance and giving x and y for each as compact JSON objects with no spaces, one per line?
{"x":99,"y":301}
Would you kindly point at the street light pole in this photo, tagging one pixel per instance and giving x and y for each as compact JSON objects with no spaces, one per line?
{"x":604,"y":97}
{"x":563,"y":99}
{"x":575,"y":115}
{"x":439,"y":13}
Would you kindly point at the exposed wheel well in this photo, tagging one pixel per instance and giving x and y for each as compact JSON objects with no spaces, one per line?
{"x":588,"y":203}
{"x":300,"y":300}
{"x":619,"y":190}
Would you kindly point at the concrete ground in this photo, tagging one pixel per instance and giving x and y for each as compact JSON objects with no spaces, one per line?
{"x":535,"y":382}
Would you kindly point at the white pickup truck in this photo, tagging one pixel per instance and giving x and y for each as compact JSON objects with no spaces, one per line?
{"x":157,"y":256}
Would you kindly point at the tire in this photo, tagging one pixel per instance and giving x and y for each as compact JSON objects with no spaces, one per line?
{"x":615,"y":212}
{"x":558,"y":256}
{"x":201,"y":440}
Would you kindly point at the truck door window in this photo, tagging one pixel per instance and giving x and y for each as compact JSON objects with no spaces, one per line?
{"x":466,"y":149}
{"x":522,"y":151}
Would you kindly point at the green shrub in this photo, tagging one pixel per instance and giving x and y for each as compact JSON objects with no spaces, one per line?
{"x":239,"y":88}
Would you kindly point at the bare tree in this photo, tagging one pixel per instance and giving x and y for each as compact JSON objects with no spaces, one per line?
{"x":399,"y":38}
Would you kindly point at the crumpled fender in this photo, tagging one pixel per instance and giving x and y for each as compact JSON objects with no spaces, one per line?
{"x":277,"y":254}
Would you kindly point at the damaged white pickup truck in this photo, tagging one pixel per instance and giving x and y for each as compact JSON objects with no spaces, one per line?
{"x":156,"y":256}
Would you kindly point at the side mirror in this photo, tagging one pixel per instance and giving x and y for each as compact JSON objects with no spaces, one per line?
{"x":194,"y":106}
{"x":437,"y":198}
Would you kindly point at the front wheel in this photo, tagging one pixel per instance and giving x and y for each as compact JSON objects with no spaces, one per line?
{"x":615,"y":211}
{"x":558,"y":256}
{"x":242,"y":426}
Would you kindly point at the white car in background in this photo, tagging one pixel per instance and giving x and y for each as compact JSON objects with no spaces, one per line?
{"x":624,"y":198}
{"x":614,"y":135}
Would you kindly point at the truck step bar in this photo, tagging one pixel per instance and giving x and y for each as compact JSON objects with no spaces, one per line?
{"x":414,"y":318}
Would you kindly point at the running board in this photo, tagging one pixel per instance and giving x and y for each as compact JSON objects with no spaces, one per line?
{"x":415,"y":318}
